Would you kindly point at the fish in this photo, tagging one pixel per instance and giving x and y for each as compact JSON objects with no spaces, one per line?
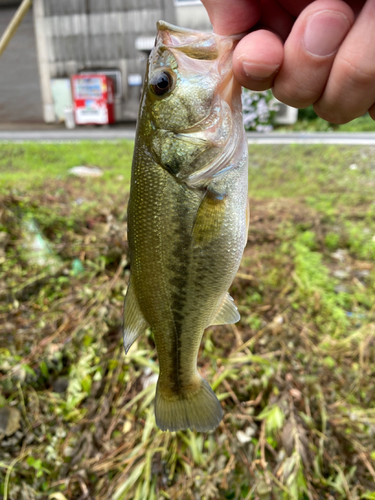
{"x":187,"y":215}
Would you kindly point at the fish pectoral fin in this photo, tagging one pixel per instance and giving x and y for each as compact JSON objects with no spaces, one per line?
{"x":134,"y":322}
{"x":227,"y":312}
{"x":210,"y":217}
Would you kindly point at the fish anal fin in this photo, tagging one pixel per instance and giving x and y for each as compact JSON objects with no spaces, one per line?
{"x":134,"y":322}
{"x":210,"y":217}
{"x":227,"y":312}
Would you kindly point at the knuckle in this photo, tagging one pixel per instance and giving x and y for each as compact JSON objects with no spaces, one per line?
{"x":331,"y":116}
{"x":349,"y":92}
{"x":335,"y":113}
{"x":358,"y":71}
{"x":297,"y":93}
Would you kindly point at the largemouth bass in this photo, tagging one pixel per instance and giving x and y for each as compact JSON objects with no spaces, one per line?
{"x":187,"y":214}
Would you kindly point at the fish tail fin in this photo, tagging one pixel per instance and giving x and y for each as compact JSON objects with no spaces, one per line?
{"x":199,"y":410}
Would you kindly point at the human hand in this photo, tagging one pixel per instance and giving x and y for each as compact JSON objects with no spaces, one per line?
{"x":318,"y":52}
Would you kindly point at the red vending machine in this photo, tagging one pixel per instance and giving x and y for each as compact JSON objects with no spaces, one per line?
{"x":93,"y":97}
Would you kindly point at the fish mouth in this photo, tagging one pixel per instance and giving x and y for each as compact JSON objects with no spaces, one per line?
{"x":228,"y":96}
{"x":196,"y":44}
{"x":229,"y":158}
{"x":210,"y":47}
{"x":227,"y":91}
{"x":221,"y":128}
{"x":224,"y":131}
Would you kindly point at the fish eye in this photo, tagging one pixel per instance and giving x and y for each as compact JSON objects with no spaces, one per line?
{"x":161,"y":83}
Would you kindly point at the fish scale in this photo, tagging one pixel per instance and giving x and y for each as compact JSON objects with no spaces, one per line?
{"x":187,"y":215}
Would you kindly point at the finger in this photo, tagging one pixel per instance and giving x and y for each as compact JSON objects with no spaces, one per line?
{"x":371,"y":111}
{"x":257,"y":58}
{"x":230,"y":18}
{"x":295,"y":7}
{"x":275,"y":18}
{"x":310,"y":50}
{"x":356,"y":6}
{"x":350,"y":90}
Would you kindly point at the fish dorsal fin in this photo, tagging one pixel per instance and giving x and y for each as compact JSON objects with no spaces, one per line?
{"x":227,"y":312}
{"x":134,"y":322}
{"x":210,"y":218}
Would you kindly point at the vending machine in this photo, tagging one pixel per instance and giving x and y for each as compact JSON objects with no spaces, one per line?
{"x":93,"y":97}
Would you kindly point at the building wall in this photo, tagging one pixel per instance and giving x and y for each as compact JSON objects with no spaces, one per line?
{"x":191,"y":14}
{"x":82,"y":35}
{"x":20,"y":97}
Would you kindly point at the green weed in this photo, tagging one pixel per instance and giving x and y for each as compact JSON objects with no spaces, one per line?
{"x":294,"y":376}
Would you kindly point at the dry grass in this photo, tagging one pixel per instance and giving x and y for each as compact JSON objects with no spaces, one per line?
{"x":295,"y":376}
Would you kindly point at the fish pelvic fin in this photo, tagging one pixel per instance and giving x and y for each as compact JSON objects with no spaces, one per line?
{"x":199,"y":410}
{"x":134,"y":322}
{"x":227,"y":312}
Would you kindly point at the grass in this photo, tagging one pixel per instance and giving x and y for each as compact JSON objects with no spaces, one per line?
{"x":29,"y":165}
{"x":308,"y":121}
{"x":295,"y":375}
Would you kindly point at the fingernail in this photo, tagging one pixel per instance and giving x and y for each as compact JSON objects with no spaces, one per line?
{"x":324,"y":32}
{"x":259,"y":71}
